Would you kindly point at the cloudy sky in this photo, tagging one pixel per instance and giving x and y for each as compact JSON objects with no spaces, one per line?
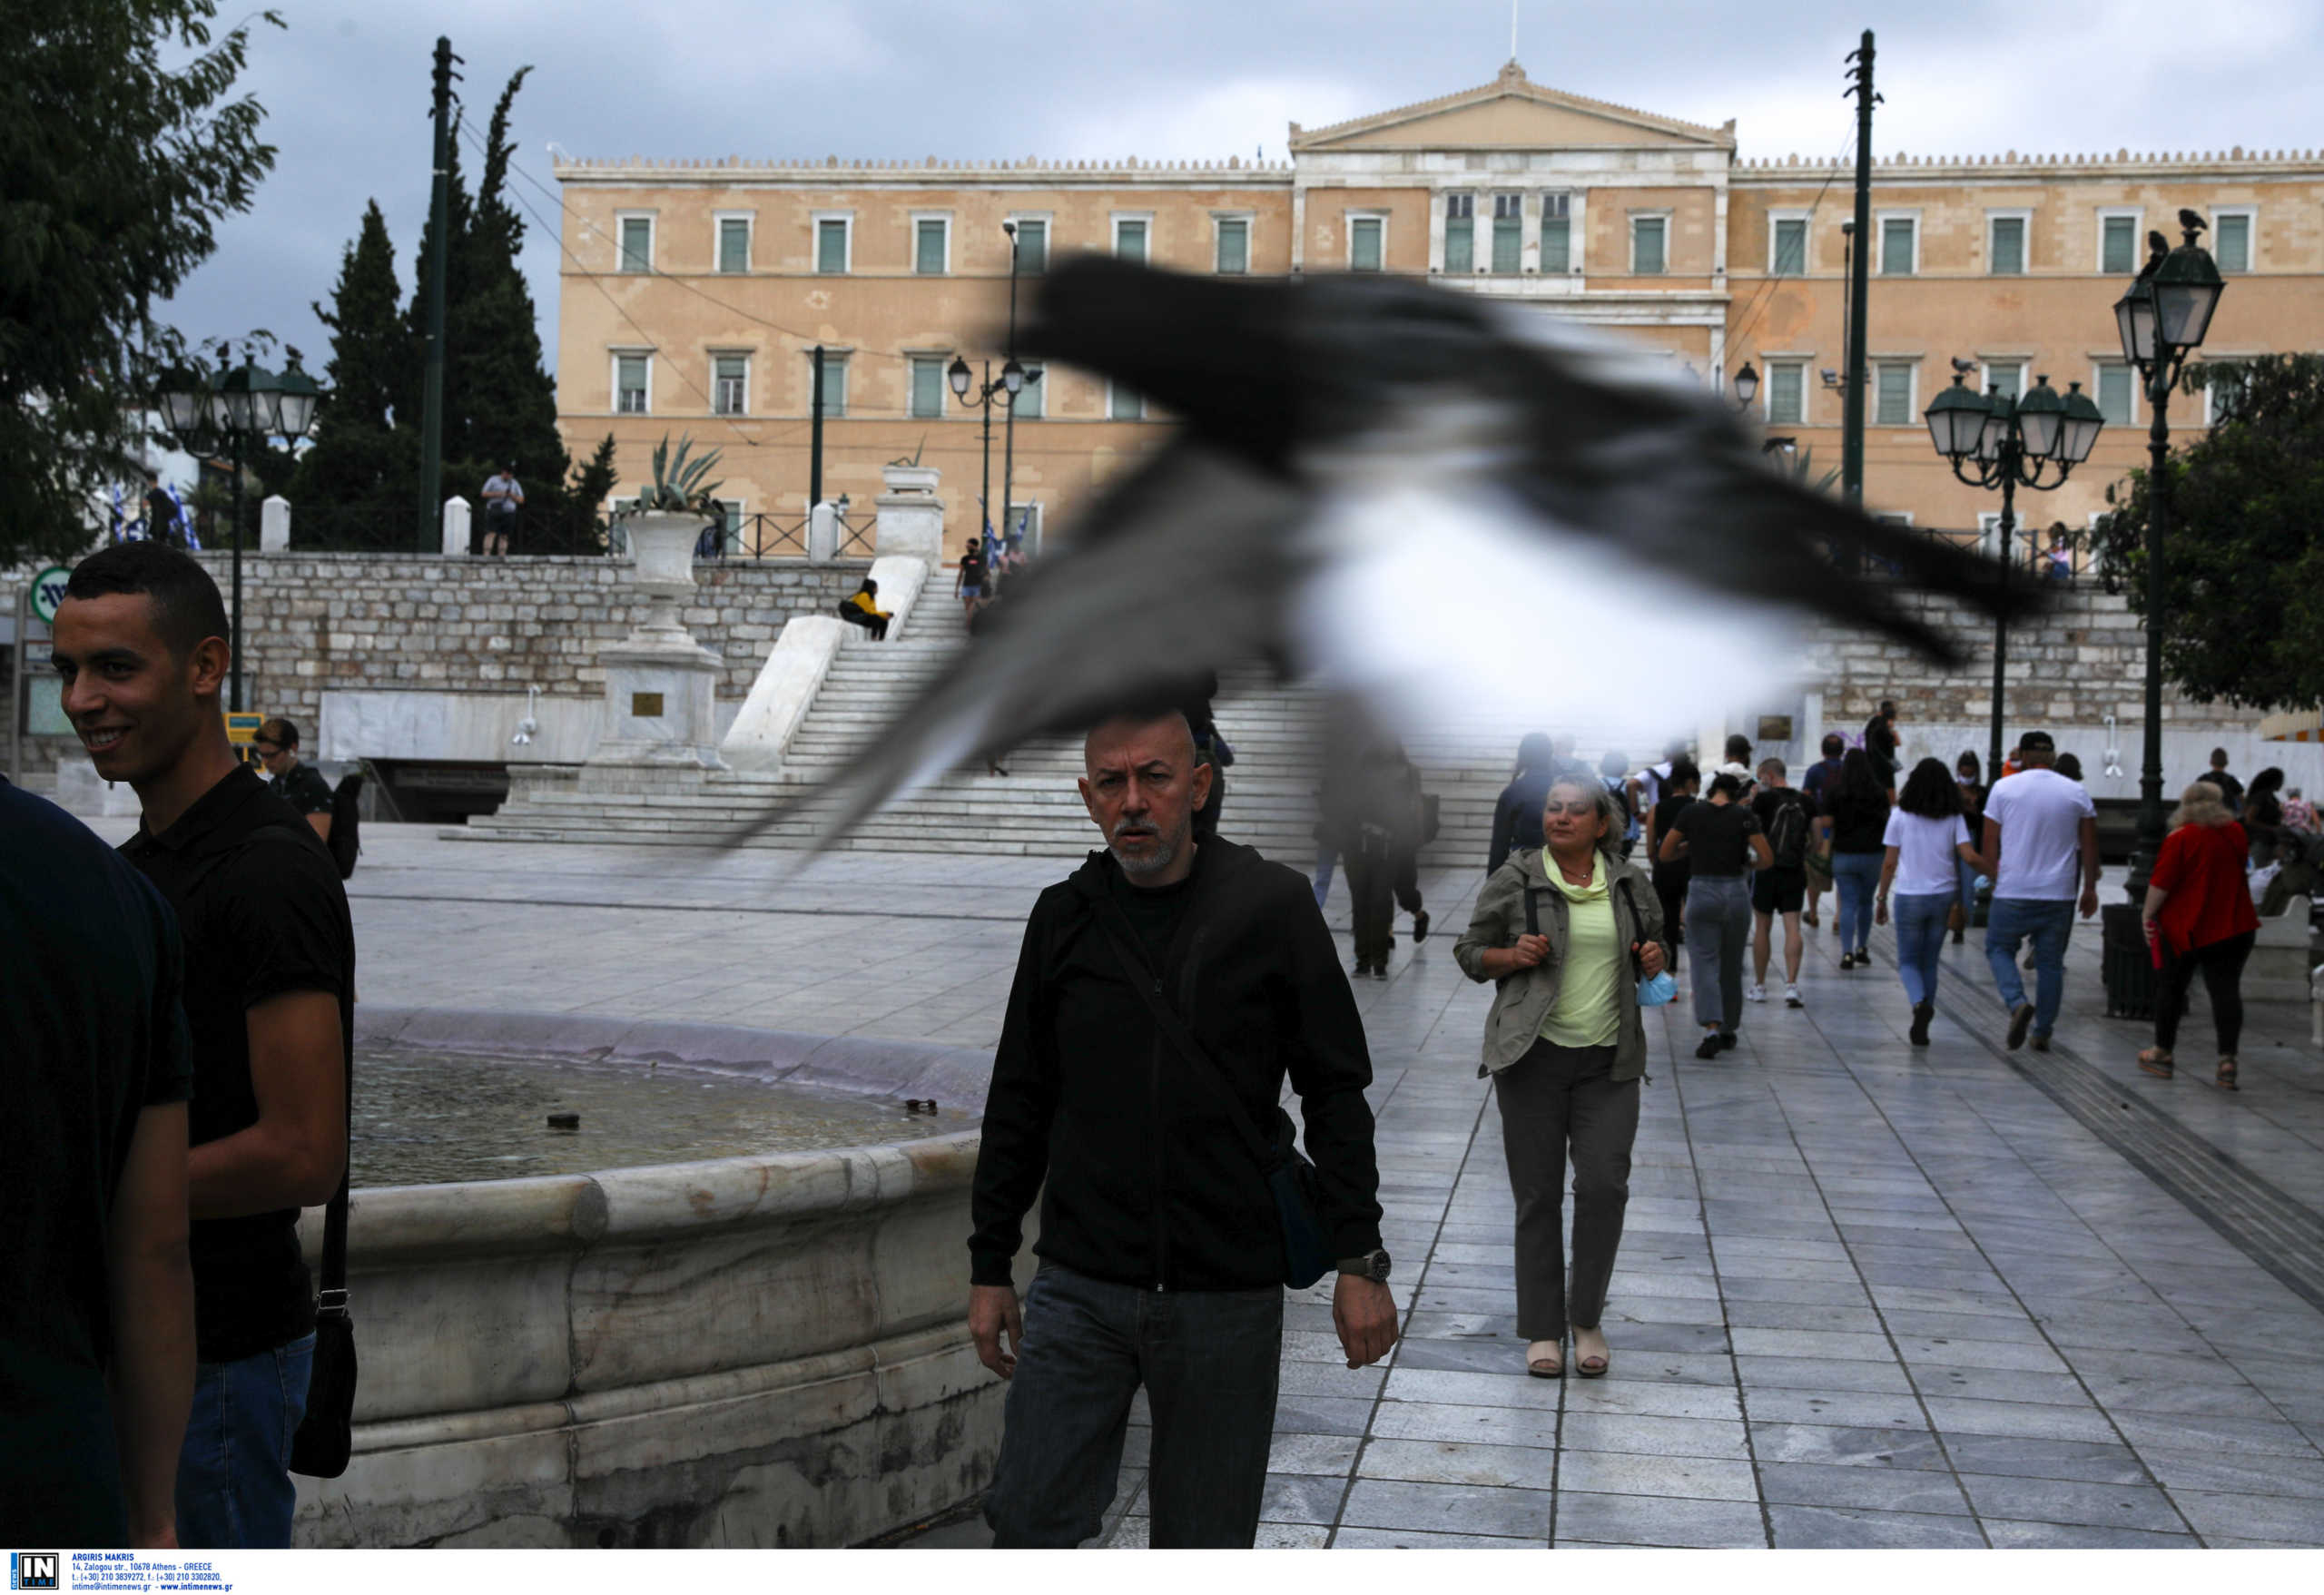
{"x":345,"y":86}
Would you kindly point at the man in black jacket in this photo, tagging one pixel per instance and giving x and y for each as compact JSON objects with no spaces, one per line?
{"x":1162,"y":1258}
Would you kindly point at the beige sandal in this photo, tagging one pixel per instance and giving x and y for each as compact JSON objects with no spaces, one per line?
{"x":2156,"y":1062}
{"x":2225,"y":1079}
{"x":1545,"y":1359}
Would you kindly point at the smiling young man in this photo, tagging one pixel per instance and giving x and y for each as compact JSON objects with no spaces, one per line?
{"x":269,"y":983}
{"x":1162,"y":1258}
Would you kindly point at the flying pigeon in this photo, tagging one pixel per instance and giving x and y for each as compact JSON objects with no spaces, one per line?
{"x":1424,"y":501}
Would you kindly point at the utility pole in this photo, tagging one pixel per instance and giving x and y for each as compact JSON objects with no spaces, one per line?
{"x":1859,"y":280}
{"x":815,"y":434}
{"x":431,"y":399}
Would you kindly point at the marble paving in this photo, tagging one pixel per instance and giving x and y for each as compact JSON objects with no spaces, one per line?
{"x":1869,"y":1296}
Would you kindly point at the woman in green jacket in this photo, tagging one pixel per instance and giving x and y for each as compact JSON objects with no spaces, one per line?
{"x":1565,"y":1044}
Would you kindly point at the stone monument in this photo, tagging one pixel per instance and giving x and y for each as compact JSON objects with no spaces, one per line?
{"x":660,"y":683}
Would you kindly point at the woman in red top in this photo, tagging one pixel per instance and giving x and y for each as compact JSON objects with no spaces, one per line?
{"x":2199,"y":916}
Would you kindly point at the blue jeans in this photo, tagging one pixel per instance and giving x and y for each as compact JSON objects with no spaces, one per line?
{"x":1718,"y":927}
{"x":1209,"y":1361}
{"x":1968,"y":878}
{"x":2009,"y":921}
{"x":234,"y":1489}
{"x":1920,"y":937}
{"x":1326,"y":857}
{"x":1853,"y":875}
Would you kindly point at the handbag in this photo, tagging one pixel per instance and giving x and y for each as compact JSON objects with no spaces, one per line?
{"x":1653,"y":990}
{"x":1291,"y":1178}
{"x":326,"y":1433}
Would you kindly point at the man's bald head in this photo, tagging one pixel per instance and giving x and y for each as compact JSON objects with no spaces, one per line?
{"x":1143,"y":787}
{"x":1110,"y":737}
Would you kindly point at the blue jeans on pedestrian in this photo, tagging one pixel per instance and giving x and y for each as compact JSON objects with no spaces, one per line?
{"x":1967,"y":873}
{"x":1326,"y":857}
{"x":234,"y":1489}
{"x":1209,"y":1361}
{"x":1718,"y":927}
{"x":2009,"y":921}
{"x":1920,"y":937}
{"x":1853,"y":876}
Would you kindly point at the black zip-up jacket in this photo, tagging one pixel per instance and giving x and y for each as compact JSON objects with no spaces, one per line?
{"x":1147,"y":1181}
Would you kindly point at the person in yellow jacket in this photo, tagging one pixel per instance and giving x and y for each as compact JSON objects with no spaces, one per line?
{"x":863,"y":609}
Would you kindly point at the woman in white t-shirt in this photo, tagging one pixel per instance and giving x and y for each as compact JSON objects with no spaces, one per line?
{"x":1925,"y":835}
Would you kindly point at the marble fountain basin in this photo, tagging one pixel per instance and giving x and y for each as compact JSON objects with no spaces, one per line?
{"x":750,"y":1351}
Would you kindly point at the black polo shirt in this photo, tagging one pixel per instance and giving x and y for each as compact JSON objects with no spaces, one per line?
{"x":262,"y":911}
{"x":91,"y":1035}
{"x":304,"y":788}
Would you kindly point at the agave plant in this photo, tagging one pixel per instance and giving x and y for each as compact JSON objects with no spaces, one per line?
{"x":677,"y":486}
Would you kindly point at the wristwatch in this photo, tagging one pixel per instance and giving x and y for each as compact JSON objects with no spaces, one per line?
{"x":1372,"y":1265}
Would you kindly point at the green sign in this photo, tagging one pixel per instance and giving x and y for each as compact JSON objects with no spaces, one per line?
{"x":48,"y":592}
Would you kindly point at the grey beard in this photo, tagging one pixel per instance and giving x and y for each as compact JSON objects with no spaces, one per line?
{"x":1164,"y":852}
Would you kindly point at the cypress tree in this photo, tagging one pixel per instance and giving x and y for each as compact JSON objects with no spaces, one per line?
{"x":361,"y":470}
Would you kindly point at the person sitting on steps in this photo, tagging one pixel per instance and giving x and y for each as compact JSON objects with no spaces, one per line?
{"x":863,"y":609}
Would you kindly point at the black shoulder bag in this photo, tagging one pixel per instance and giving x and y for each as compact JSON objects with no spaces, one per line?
{"x":1291,"y":1179}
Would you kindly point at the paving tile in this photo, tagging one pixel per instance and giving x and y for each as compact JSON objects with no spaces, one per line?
{"x":2235,"y":1435}
{"x":1813,"y":1343}
{"x":1398,"y":1420}
{"x":2063,"y":1500}
{"x":1320,"y":1414}
{"x":1336,"y":1380}
{"x":2287,"y":1519}
{"x":1457,"y":1509}
{"x":1863,"y":1447}
{"x":1614,"y":1394}
{"x":1823,"y":1374}
{"x":1658,"y":1519}
{"x":1821,"y":1528}
{"x":1846,"y":1409}
{"x":1860,"y":1488}
{"x":1957,"y":1352}
{"x":1671,"y":1367}
{"x":2093,"y":1462}
{"x":1474,"y":1354}
{"x":1447,"y":1461}
{"x":1999,"y":1384}
{"x":1514,"y":1389}
{"x":2008,"y":1535}
{"x":1802,"y":1315}
{"x":1655,"y":1436}
{"x":2032,"y":1420}
{"x":1625,"y":1474}
{"x":1352,"y":1539}
{"x":2230,"y":1472}
{"x":1302,"y":1498}
{"x":1134,"y":1535}
{"x":1313,"y":1453}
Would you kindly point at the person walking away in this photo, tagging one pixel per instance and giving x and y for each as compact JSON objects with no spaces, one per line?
{"x":968,"y":587}
{"x":1566,"y":930}
{"x":96,"y":1325}
{"x":1645,"y":787}
{"x":1370,"y":813}
{"x":1818,"y":775}
{"x":1789,"y":823}
{"x":2217,"y":776}
{"x":1613,"y":769}
{"x":301,"y":785}
{"x":161,"y":522}
{"x":2199,"y":917}
{"x":270,"y":984}
{"x":1680,"y":784}
{"x":1927,"y":842}
{"x":1855,"y":818}
{"x":1165,"y":991}
{"x":1719,"y":836}
{"x":503,"y":497}
{"x":863,"y":609}
{"x":1213,"y":749}
{"x":1517,"y":812}
{"x":1967,"y":772}
{"x":1881,"y":741}
{"x":2263,"y":809}
{"x":2300,"y":814}
{"x":2041,"y":832}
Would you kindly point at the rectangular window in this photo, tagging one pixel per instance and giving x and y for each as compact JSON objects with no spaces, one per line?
{"x":1647,"y":236}
{"x":830,"y":245}
{"x":734,"y":244}
{"x":730,"y":384}
{"x":1363,"y":242}
{"x":2232,"y":240}
{"x":1033,"y":246}
{"x":630,"y":373}
{"x":730,"y":515}
{"x":1460,"y":232}
{"x":637,"y":243}
{"x":1787,"y":393}
{"x":1508,"y":233}
{"x":2118,"y":245}
{"x":1233,"y":250}
{"x":931,"y":240}
{"x":2005,"y":255}
{"x":1557,"y":232}
{"x":834,"y":386}
{"x":1129,"y":238}
{"x":2117,"y":391}
{"x":1790,"y":247}
{"x":2006,"y":377}
{"x":927,"y":386}
{"x":1893,"y":395}
{"x":1125,"y":404}
{"x":1031,"y":402}
{"x":1898,"y":244}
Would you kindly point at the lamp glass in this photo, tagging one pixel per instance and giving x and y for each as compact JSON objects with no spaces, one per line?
{"x":185,"y":403}
{"x":1012,"y":375}
{"x":2040,"y":413}
{"x":957,"y":374}
{"x":296,"y":399}
{"x":2078,"y":434}
{"x":1998,"y":416}
{"x":1747,"y":383}
{"x":1956,"y":419}
{"x":2184,"y":311}
{"x":2135,"y":322}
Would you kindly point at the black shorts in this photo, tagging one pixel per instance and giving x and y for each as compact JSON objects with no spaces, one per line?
{"x":1779,"y":890}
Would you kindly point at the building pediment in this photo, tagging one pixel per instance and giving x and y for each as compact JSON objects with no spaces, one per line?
{"x":1511,"y":113}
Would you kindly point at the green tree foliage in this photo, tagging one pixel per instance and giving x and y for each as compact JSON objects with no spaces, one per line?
{"x":356,"y":484}
{"x":115,"y":168}
{"x":2243,"y":544}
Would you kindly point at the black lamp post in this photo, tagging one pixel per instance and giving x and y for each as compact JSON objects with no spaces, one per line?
{"x":1991,"y":441}
{"x":213,"y":416}
{"x":2162,"y":317}
{"x":1008,"y":425}
{"x":989,"y":391}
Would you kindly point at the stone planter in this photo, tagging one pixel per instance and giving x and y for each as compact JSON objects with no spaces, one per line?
{"x":660,"y":683}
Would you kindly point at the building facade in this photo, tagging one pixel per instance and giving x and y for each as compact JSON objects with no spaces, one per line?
{"x":695,"y":292}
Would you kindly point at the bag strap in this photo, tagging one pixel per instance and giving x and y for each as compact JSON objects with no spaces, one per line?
{"x":1148,"y":987}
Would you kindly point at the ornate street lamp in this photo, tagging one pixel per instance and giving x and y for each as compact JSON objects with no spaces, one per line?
{"x":1014,"y":378}
{"x":1747,"y":386}
{"x":2161,"y":318}
{"x":212,"y":417}
{"x":1991,"y":441}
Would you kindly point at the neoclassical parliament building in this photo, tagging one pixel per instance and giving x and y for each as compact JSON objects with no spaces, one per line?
{"x":694,"y":291}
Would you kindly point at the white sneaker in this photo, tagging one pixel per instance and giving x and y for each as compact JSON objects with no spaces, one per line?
{"x":1755,"y":993}
{"x":1791,"y":998}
